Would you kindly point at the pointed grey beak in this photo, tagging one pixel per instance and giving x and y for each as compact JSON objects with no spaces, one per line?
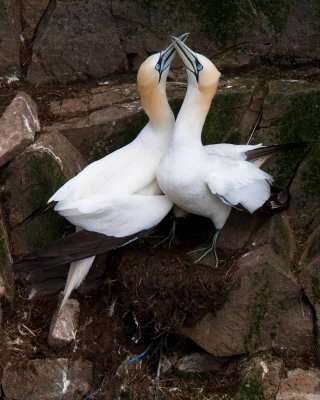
{"x":188,"y":57}
{"x":167,"y":55}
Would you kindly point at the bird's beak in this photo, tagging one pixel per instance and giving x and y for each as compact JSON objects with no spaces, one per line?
{"x":188,"y":57}
{"x":167,"y":55}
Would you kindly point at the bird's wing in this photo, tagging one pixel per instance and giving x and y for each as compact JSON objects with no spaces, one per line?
{"x":119,"y":215}
{"x":238,"y":183}
{"x":77,"y":246}
{"x":95,"y":175}
{"x":235,"y":152}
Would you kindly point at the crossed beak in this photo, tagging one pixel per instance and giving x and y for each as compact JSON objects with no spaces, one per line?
{"x":167,"y":55}
{"x":188,"y":57}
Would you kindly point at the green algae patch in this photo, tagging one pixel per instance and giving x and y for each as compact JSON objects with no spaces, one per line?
{"x":302,"y":120}
{"x":224,"y":116}
{"x":282,"y":241}
{"x":124,"y":131}
{"x":250,"y":387}
{"x":45,"y":172}
{"x":305,"y":191}
{"x":258,"y":311}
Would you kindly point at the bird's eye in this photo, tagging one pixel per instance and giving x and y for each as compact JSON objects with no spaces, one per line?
{"x":157,"y":67}
{"x":199,"y":66}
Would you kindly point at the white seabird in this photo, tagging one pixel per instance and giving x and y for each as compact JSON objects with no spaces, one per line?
{"x":210,"y":180}
{"x":119,"y":195}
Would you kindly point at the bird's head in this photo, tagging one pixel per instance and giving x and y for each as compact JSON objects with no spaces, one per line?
{"x":154,"y":70}
{"x":202,"y":73}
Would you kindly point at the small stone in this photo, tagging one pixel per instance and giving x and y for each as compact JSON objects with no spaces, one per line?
{"x":64,"y":324}
{"x":300,"y":385}
{"x":18,"y":125}
{"x":47,"y":379}
{"x":197,"y":363}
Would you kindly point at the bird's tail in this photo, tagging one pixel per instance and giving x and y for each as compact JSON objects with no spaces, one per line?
{"x":38,"y":211}
{"x":77,"y":272}
{"x":265,"y":151}
{"x":77,"y":246}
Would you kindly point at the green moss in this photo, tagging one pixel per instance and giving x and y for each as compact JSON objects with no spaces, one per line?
{"x":125,"y":132}
{"x":46,"y":178}
{"x":45,"y":172}
{"x":251,"y":389}
{"x":302,"y":121}
{"x":222,"y":117}
{"x":258,"y":311}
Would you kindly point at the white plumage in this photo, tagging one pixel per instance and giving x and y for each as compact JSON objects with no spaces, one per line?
{"x":210,"y":180}
{"x":118,"y":195}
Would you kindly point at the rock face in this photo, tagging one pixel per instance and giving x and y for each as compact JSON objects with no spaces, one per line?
{"x":32,"y":11}
{"x":264,"y":308}
{"x":75,"y":24}
{"x":10,"y":29}
{"x":79,"y":40}
{"x":18,"y":125}
{"x":41,"y":169}
{"x":47,"y":379}
{"x":103,"y":119}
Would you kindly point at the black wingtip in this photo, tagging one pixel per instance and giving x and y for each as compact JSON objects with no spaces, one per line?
{"x":37,"y":212}
{"x":277,"y":148}
{"x":77,"y":246}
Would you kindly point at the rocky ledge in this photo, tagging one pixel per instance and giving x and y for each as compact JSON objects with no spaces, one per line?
{"x":263,"y":301}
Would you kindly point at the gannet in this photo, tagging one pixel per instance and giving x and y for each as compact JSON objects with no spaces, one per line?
{"x":118,"y":195}
{"x":209,"y":181}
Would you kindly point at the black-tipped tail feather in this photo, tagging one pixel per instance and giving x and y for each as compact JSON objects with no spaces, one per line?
{"x":269,"y":150}
{"x":38,"y":211}
{"x":76,"y":246}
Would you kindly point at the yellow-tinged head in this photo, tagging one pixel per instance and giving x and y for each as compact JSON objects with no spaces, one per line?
{"x":152,"y":78}
{"x":202,"y":73}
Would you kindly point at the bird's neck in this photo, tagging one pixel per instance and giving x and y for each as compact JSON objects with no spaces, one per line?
{"x":191,"y":118}
{"x":156,"y":106}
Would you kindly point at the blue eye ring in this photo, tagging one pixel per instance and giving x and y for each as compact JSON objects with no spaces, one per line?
{"x":157,"y":67}
{"x":199,"y":67}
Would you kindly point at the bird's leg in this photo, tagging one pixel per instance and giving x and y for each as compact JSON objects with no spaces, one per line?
{"x":210,"y":248}
{"x":170,"y":237}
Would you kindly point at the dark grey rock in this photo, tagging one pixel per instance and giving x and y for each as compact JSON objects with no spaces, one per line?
{"x":264,"y":309}
{"x":10,"y":30}
{"x":31,"y":12}
{"x":76,"y":40}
